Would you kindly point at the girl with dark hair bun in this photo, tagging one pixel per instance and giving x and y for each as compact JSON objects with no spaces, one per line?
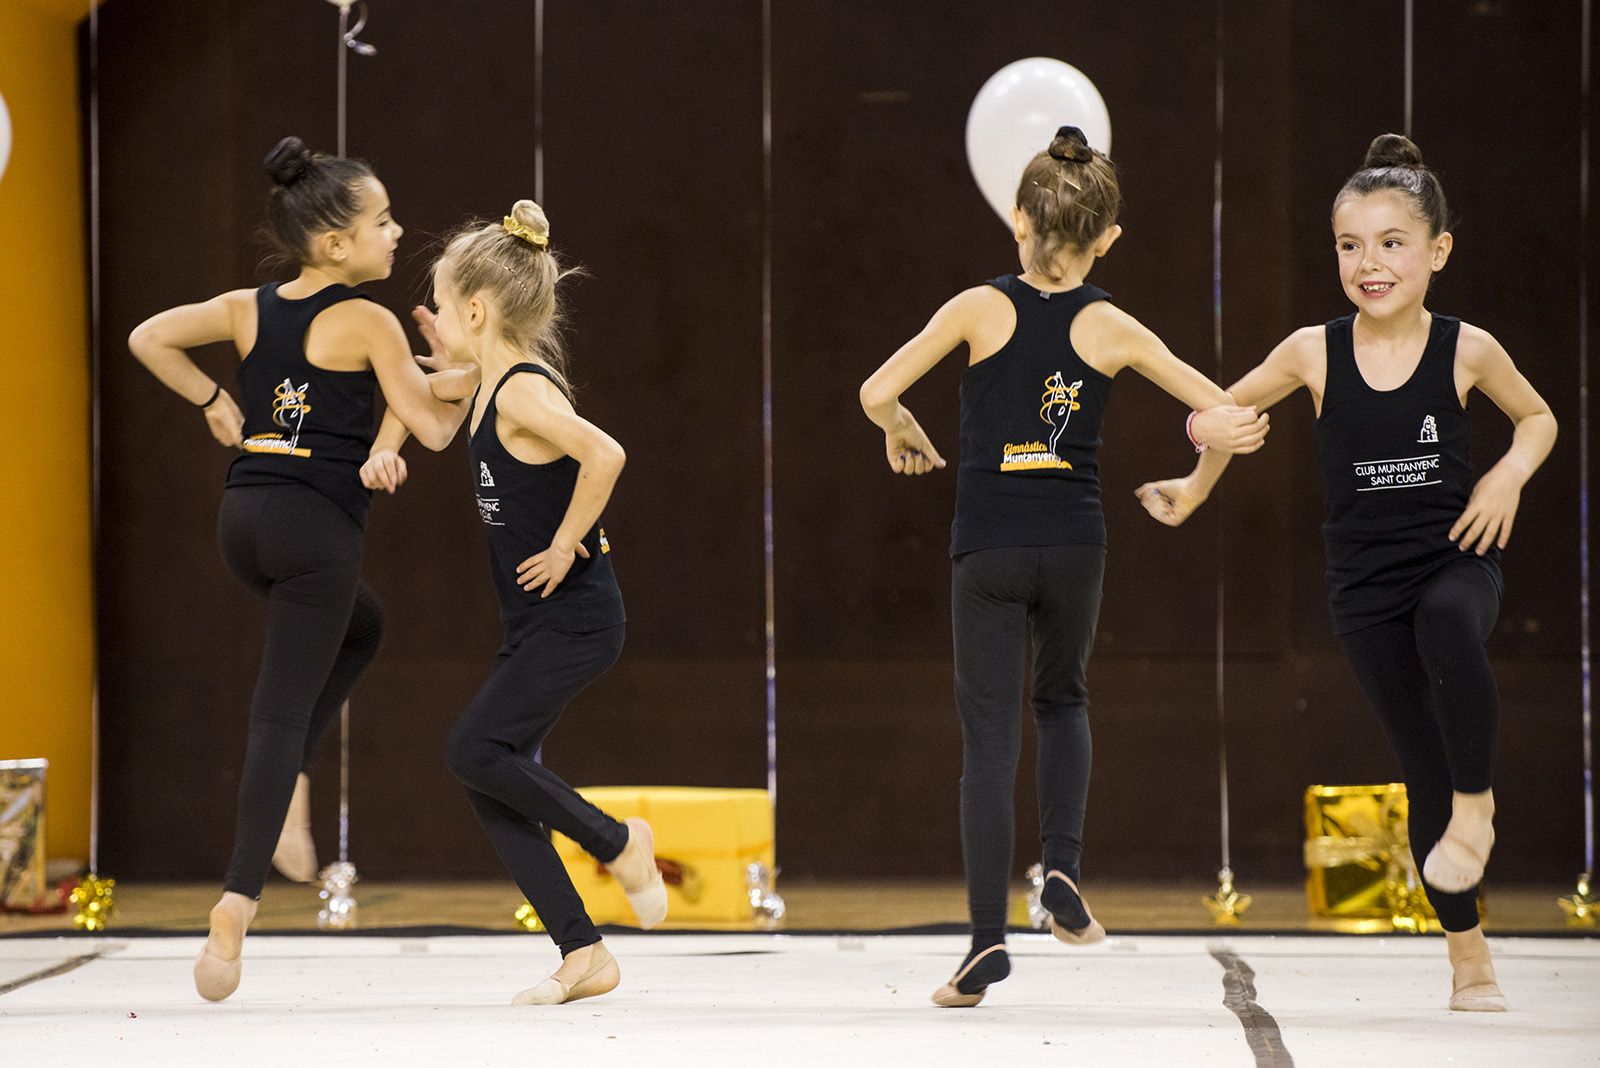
{"x":1413,"y":541}
{"x":310,"y":351}
{"x":1028,"y":543}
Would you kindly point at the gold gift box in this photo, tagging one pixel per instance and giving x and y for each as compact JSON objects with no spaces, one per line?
{"x":1359,"y":870}
{"x":706,"y":840}
{"x":22,"y":872}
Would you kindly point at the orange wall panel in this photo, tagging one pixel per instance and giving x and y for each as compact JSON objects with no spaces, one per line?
{"x":46,"y":612}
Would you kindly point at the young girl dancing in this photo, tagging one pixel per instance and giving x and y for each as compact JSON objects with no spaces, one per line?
{"x":290,"y":525}
{"x":1028,"y":543}
{"x":1412,"y":541}
{"x":543,"y":475}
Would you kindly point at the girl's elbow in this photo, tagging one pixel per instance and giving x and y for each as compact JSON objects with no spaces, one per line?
{"x":604,"y":460}
{"x":141,"y":339}
{"x":874,"y":396}
{"x":437,"y":438}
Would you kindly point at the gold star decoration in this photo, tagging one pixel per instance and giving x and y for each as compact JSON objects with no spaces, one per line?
{"x":1581,"y":908}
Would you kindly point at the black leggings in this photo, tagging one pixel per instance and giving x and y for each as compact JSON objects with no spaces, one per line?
{"x":1427,"y":676}
{"x":493,"y":751}
{"x":300,"y":551}
{"x":999,"y":597}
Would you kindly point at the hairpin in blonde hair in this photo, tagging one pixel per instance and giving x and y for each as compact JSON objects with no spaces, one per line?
{"x":526,"y":232}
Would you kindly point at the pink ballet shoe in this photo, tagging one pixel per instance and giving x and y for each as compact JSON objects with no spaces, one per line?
{"x":296,"y":854}
{"x":1454,"y":864}
{"x":217,"y":969}
{"x":585,"y":973}
{"x":967,"y":987}
{"x":1078,"y":936}
{"x":635,"y":868}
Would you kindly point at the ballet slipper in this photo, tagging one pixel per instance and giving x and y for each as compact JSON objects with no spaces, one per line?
{"x":1472,"y":985}
{"x":585,"y":973}
{"x":1453,"y":865}
{"x":967,"y":987}
{"x":217,"y":968}
{"x":296,"y":855}
{"x":635,"y":868}
{"x":1457,"y":860}
{"x":1079,"y":936}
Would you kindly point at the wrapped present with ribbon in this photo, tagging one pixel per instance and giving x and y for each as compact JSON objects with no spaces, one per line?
{"x":22,"y":869}
{"x":1359,"y":868}
{"x":714,"y":848}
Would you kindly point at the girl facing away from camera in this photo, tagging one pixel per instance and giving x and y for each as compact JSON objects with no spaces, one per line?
{"x":1029,"y":538}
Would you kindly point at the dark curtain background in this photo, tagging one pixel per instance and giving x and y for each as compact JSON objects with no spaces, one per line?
{"x":653,"y":170}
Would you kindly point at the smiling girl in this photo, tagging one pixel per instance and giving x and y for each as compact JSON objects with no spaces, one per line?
{"x":311,"y":351}
{"x":1412,"y":542}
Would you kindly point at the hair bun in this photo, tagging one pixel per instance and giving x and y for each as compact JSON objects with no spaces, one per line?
{"x":1393,"y":150}
{"x":1071,"y":146}
{"x":288,"y":161}
{"x":532,"y":216}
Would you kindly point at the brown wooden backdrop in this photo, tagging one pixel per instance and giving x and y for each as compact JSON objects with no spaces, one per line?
{"x":653,"y":166}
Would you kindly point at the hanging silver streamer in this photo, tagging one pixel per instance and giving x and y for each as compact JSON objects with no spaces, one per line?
{"x":1226,"y":904}
{"x":94,"y":408}
{"x":348,"y":44}
{"x":1410,"y":54}
{"x":338,"y":911}
{"x":1581,"y":907}
{"x":339,"y":908}
{"x":538,"y":102}
{"x":1038,"y":915}
{"x":92,"y":900}
{"x":766,"y":906}
{"x":773,"y":900}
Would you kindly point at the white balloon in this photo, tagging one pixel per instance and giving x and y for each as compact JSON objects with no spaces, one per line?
{"x":5,"y":136}
{"x":1016,"y":114}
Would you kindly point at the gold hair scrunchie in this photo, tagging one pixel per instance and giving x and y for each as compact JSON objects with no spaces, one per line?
{"x":524,"y":231}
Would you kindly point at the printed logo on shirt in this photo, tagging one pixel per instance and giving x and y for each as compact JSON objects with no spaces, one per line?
{"x":1406,"y":472}
{"x":605,"y":546}
{"x":484,"y":477}
{"x":1430,"y":431}
{"x":1058,"y":401}
{"x":289,"y":410}
{"x":489,"y":511}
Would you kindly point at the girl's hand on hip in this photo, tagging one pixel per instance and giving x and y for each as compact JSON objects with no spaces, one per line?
{"x":548,"y":568}
{"x":226,"y":421}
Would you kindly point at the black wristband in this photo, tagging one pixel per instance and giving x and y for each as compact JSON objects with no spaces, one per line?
{"x":213,"y":399}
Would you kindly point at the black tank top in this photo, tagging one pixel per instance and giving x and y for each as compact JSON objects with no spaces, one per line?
{"x":1030,"y":430}
{"x":1397,"y":475}
{"x":521,"y":506}
{"x":302,"y":423}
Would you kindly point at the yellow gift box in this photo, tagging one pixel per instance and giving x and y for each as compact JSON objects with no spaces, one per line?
{"x":1358,"y":859}
{"x":706,"y":840}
